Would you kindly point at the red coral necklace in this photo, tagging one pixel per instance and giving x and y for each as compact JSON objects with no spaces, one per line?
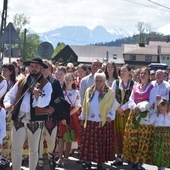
{"x":125,"y":86}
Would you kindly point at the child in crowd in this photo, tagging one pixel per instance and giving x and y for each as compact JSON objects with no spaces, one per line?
{"x":60,"y":73}
{"x":73,"y":97}
{"x":161,"y":139}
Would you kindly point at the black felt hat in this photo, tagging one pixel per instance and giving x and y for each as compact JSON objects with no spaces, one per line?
{"x":36,"y":60}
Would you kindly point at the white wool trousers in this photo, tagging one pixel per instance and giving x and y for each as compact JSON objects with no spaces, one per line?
{"x":51,"y":141}
{"x":18,"y":139}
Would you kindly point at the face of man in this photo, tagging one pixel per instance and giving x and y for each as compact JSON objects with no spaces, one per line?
{"x":95,"y":66}
{"x":34,"y":69}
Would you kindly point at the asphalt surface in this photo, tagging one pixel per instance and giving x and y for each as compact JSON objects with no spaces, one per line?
{"x":73,"y":165}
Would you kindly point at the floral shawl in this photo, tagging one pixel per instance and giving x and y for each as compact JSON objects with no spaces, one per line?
{"x":106,"y":100}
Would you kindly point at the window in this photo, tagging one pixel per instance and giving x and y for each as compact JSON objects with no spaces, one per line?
{"x":167,"y":58}
{"x":148,"y":58}
{"x":132,"y":57}
{"x":163,"y":58}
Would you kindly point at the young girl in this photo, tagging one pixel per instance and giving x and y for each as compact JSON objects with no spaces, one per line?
{"x":60,"y":73}
{"x":161,"y":140}
{"x":73,"y":97}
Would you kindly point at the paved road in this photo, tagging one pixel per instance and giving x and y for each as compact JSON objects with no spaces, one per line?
{"x":73,"y":165}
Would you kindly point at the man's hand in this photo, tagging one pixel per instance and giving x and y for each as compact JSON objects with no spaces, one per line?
{"x":51,"y":110}
{"x":9,"y":108}
{"x":36,"y":92}
{"x":108,"y":119}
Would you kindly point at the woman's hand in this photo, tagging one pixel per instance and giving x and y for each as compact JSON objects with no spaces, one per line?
{"x":108,"y":120}
{"x":120,"y":112}
{"x":64,"y":122}
{"x":136,"y":110}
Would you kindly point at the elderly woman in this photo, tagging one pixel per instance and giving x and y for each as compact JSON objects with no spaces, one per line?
{"x":97,"y":115}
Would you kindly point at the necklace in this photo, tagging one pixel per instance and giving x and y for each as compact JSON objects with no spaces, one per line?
{"x":125,"y":86}
{"x":142,"y":87}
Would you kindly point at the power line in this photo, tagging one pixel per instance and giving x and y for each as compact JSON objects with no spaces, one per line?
{"x":145,"y":5}
{"x":159,"y":4}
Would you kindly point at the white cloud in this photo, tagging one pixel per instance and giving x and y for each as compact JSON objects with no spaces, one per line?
{"x":112,"y":14}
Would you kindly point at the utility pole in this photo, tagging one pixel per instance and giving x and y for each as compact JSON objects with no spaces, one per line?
{"x":3,"y":26}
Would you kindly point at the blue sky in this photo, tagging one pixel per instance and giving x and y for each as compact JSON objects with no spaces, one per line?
{"x":46,"y":15}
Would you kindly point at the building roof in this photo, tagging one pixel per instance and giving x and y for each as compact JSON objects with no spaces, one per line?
{"x":89,"y":53}
{"x":136,"y":49}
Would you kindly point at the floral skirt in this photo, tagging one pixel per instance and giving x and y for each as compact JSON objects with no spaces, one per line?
{"x":161,"y":147}
{"x":97,"y":142}
{"x":119,"y":128}
{"x":6,"y":146}
{"x":138,"y":142}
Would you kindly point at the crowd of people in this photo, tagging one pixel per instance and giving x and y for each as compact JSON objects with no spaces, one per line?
{"x":118,"y":114}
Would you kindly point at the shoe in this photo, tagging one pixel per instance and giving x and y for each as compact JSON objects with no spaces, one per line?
{"x":65,"y":161}
{"x":80,"y":161}
{"x":52,"y":163}
{"x":99,"y":167}
{"x":134,"y":165}
{"x":139,"y":167}
{"x":117,"y":163}
{"x":86,"y":166}
{"x":59,"y":163}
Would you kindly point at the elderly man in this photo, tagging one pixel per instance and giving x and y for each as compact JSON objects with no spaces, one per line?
{"x":89,"y":80}
{"x":24,"y":100}
{"x":162,"y":86}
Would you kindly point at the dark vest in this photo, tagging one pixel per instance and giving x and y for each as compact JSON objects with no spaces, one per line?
{"x":23,"y":85}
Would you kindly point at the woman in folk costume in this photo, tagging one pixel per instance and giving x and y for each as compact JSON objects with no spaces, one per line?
{"x":122,"y":88}
{"x":8,"y":72}
{"x":138,"y":136}
{"x":111,"y":73}
{"x":73,"y":97}
{"x":97,"y":115}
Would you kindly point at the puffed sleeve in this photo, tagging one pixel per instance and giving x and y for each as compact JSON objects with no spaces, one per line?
{"x":2,"y":124}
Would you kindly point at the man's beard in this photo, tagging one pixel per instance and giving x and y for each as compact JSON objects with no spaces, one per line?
{"x":35,"y":74}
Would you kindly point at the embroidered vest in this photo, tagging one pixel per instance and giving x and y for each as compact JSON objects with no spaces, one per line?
{"x":23,"y":85}
{"x":139,"y":97}
{"x":118,"y":95}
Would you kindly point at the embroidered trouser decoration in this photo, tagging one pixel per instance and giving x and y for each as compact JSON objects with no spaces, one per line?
{"x":18,"y":125}
{"x":50,"y":125}
{"x":33,"y":126}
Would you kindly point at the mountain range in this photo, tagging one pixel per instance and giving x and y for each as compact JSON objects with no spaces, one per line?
{"x":81,"y":35}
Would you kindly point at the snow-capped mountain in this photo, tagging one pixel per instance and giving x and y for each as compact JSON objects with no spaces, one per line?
{"x":81,"y":35}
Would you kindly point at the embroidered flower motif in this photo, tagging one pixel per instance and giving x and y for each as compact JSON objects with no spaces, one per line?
{"x":102,"y":92}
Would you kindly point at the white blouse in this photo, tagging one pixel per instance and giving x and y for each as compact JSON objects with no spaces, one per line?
{"x":73,"y":97}
{"x":94,"y":110}
{"x":2,"y":124}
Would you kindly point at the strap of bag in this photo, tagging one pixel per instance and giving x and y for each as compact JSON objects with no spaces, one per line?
{"x":69,"y":98}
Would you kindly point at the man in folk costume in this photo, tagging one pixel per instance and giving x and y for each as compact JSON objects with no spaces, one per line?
{"x":28,"y":95}
{"x":50,"y":128}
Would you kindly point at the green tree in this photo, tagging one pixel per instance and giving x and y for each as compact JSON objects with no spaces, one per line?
{"x":32,"y":39}
{"x":58,"y":48}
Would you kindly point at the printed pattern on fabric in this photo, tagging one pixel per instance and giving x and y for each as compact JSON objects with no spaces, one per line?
{"x":97,"y":143}
{"x":33,"y":126}
{"x":138,"y":142}
{"x":161,"y":147}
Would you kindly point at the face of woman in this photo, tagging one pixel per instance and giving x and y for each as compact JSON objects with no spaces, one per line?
{"x":68,"y":81}
{"x":99,"y":82}
{"x":124,"y":73}
{"x":81,"y":73}
{"x":6,"y":73}
{"x":144,"y":76}
{"x":110,"y":68}
{"x":60,"y":76}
